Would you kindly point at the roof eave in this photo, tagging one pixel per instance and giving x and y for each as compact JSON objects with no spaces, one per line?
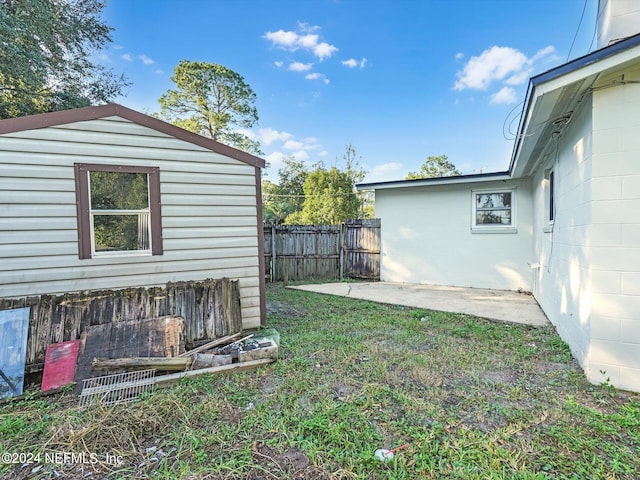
{"x":562,"y":77}
{"x":424,"y":182}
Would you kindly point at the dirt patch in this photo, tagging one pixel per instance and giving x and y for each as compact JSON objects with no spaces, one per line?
{"x":506,"y":376}
{"x":276,"y":307}
{"x":292,"y":463}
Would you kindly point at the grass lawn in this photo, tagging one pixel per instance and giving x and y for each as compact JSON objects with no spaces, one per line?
{"x":473,"y":399}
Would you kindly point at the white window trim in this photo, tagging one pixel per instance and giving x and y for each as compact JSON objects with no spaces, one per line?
{"x":548,"y":192}
{"x":475,"y":228}
{"x":134,"y":212}
{"x":93,"y":213}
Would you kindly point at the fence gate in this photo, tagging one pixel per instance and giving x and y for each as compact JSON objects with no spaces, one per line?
{"x":304,"y":252}
{"x":362,"y":249}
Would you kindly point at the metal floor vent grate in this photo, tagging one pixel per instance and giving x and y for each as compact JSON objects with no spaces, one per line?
{"x":117,"y":388}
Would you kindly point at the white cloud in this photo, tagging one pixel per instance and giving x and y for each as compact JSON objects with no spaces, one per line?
{"x":324,"y":50}
{"x":317,"y":76}
{"x":308,"y":41}
{"x":292,"y":41}
{"x":118,"y":47}
{"x":127,"y":57}
{"x":459,"y":56}
{"x":500,"y":64}
{"x":300,"y":67}
{"x":385,"y":172}
{"x":104,"y":57}
{"x":505,"y":96}
{"x":306,"y":144}
{"x":301,"y":155}
{"x":282,"y":39}
{"x":544,"y":52}
{"x":275,"y":162}
{"x":493,"y":64}
{"x":306,"y":28}
{"x":146,"y":60}
{"x":519,"y":78}
{"x":292,"y":145}
{"x":159,"y":71}
{"x":353,"y":63}
{"x":269,"y":135}
{"x":278,"y":64}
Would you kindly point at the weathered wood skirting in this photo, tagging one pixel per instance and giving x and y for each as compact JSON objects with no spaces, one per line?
{"x":210,"y":308}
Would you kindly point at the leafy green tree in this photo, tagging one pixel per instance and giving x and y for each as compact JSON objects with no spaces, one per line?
{"x":433,"y":167}
{"x":352,"y":165}
{"x":118,"y":191}
{"x":356,"y":173}
{"x":291,"y":178}
{"x":46,"y":51}
{"x":211,"y":100}
{"x":329,"y":198}
{"x":275,"y":208}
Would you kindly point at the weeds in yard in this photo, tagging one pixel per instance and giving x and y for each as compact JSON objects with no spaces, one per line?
{"x":474,"y":399}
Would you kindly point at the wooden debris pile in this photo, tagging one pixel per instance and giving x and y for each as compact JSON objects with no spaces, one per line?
{"x":158,"y":344}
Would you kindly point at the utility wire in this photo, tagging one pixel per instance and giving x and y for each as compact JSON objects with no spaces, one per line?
{"x":584,"y":9}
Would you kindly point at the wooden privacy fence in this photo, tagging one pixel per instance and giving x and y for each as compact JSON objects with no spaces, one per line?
{"x":210,"y":308}
{"x":303,"y":252}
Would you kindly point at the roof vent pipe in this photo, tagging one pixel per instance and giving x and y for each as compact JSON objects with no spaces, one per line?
{"x":617,"y":20}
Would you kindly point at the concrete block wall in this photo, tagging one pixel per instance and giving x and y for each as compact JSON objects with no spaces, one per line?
{"x":615,"y":334}
{"x":562,"y":249}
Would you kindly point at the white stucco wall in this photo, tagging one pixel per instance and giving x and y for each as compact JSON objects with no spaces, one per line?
{"x":427,"y":238}
{"x":562,"y":282}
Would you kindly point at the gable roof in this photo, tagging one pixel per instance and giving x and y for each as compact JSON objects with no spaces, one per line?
{"x":43,"y":120}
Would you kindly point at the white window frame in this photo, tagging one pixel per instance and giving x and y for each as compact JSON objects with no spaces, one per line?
{"x":488,"y":228}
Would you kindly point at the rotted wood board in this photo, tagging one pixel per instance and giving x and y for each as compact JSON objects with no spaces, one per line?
{"x":152,"y":337}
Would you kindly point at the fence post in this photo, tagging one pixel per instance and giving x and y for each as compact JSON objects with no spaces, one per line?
{"x":274,"y":256}
{"x":341,"y":244}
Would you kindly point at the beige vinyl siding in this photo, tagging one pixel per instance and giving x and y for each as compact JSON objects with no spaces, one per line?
{"x":208,"y":212}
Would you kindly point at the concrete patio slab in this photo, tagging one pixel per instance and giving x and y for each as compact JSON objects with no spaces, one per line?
{"x":500,"y":305}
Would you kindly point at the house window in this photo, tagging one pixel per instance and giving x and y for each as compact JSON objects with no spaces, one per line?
{"x":118,"y":210}
{"x":552,"y":195}
{"x":493,"y":210}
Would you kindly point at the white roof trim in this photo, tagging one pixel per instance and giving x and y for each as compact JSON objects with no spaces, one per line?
{"x":429,"y":182}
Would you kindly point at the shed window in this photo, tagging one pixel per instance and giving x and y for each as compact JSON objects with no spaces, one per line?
{"x":493,"y":209}
{"x":118,"y":210}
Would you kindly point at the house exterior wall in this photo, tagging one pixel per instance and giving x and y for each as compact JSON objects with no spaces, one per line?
{"x":588,"y":282}
{"x":209,"y":212}
{"x":615,"y":324}
{"x":427,"y":238}
{"x":562,"y":283}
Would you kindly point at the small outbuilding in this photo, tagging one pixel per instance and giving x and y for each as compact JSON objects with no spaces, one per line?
{"x":109,"y":198}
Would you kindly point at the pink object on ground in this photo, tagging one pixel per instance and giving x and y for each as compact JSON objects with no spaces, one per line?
{"x":60,"y":364}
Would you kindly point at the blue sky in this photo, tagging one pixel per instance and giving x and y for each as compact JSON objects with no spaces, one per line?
{"x":399,"y":80}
